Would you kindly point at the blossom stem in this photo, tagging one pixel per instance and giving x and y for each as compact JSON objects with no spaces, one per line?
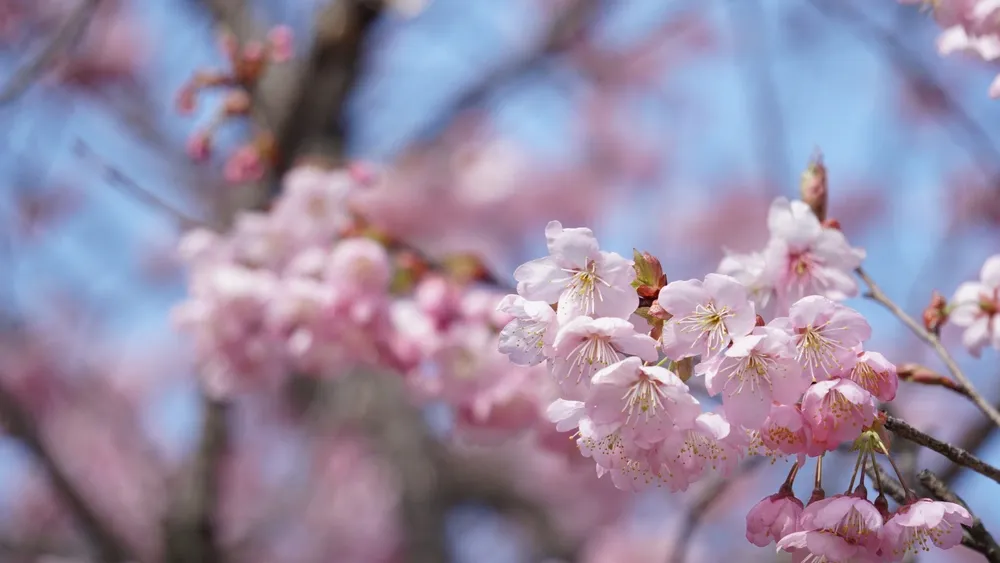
{"x":876,"y":294}
{"x":790,"y":480}
{"x":899,"y":474}
{"x":818,"y":482}
{"x":878,"y":476}
{"x":857,"y":466}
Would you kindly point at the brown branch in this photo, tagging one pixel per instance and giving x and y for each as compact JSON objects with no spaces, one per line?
{"x":108,"y":546}
{"x":955,"y":454}
{"x":976,"y":537}
{"x":971,"y":440}
{"x":64,"y":39}
{"x":876,"y":294}
{"x":705,"y":501}
{"x":916,"y":373}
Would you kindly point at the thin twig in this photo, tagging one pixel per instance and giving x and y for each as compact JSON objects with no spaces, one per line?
{"x":64,"y":39}
{"x":916,"y":373}
{"x":976,"y":536}
{"x":119,"y":181}
{"x":109,"y":547}
{"x":876,"y":294}
{"x":955,"y":454}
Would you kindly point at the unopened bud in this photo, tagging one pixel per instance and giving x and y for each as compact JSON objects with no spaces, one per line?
{"x":813,"y":186}
{"x":936,"y":313}
{"x":649,"y":276}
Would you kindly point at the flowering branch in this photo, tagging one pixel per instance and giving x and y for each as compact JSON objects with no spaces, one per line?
{"x":65,"y":37}
{"x":955,"y":454}
{"x":876,"y":294}
{"x":109,"y":547}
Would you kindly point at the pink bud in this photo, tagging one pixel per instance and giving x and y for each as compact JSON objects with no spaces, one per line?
{"x":244,"y":165}
{"x":199,"y":146}
{"x":185,"y":102}
{"x":281,"y":39}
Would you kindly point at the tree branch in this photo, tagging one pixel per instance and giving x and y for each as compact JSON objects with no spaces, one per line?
{"x":63,"y":39}
{"x":108,"y":546}
{"x":955,"y":454}
{"x":876,"y":294}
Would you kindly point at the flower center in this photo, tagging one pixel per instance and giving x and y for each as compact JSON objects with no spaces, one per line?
{"x":751,"y":372}
{"x":586,"y":286}
{"x":866,"y":376}
{"x":643,"y":398}
{"x":709,"y":322}
{"x":816,"y":350}
{"x":594,"y":349}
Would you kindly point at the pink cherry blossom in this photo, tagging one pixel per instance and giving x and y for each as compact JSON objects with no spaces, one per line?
{"x":577,"y":275}
{"x":706,"y":315}
{"x":756,"y":370}
{"x":529,"y":338}
{"x":585,"y":345}
{"x":805,"y":258}
{"x":826,"y":334}
{"x":312,"y":208}
{"x":785,"y":431}
{"x":643,"y":403}
{"x":876,"y":375}
{"x":773,"y":518}
{"x":836,"y":411}
{"x":712,"y":444}
{"x":976,"y":307}
{"x":841,"y":528}
{"x":751,"y":270}
{"x":916,"y":526}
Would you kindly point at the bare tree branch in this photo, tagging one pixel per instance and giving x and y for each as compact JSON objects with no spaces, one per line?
{"x":108,"y":546}
{"x":64,"y":38}
{"x":955,"y":454}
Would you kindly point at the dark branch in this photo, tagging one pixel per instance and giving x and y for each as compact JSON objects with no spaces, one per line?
{"x":955,"y":454}
{"x":108,"y":546}
{"x":64,"y":39}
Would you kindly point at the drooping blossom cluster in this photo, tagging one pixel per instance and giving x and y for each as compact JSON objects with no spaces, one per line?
{"x":622,"y":344}
{"x":970,"y":26}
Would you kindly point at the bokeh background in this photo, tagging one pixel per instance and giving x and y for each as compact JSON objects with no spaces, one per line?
{"x":667,"y":126}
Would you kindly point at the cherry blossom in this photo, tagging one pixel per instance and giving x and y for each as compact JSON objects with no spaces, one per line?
{"x":976,"y":307}
{"x":805,"y":258}
{"x":826,"y":334}
{"x":773,"y":518}
{"x":528,"y":339}
{"x":585,"y":345}
{"x":712,"y":444}
{"x":876,"y":375}
{"x":836,"y":411}
{"x":785,"y":431}
{"x":841,"y":528}
{"x":582,"y":279}
{"x":916,"y":526}
{"x":757,"y":369}
{"x":706,"y":315}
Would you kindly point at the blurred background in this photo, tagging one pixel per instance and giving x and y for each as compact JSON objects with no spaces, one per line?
{"x":666,"y":126}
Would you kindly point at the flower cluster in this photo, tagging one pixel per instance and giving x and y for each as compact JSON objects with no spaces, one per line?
{"x":849,"y":527}
{"x":622,"y":344}
{"x":971,"y":26}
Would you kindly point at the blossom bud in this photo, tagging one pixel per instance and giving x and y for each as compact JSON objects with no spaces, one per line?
{"x":813,"y":186}
{"x":237,"y":102}
{"x":280,"y":40}
{"x":936,"y":313}
{"x":649,"y":276}
{"x":199,"y":146}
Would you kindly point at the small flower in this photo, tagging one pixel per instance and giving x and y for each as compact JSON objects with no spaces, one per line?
{"x":281,"y":41}
{"x":915,"y":526}
{"x":751,"y":270}
{"x":837,"y":411}
{"x":586,"y":345}
{"x":785,"y":431}
{"x":711,"y":444}
{"x":839,"y":529}
{"x":244,"y":165}
{"x":529,"y":337}
{"x":773,"y":518}
{"x":706,"y":315}
{"x":976,"y":307}
{"x":826,"y":334}
{"x":577,"y":275}
{"x":804,"y":258}
{"x":876,"y":375}
{"x":642,"y":403}
{"x":757,"y":369}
